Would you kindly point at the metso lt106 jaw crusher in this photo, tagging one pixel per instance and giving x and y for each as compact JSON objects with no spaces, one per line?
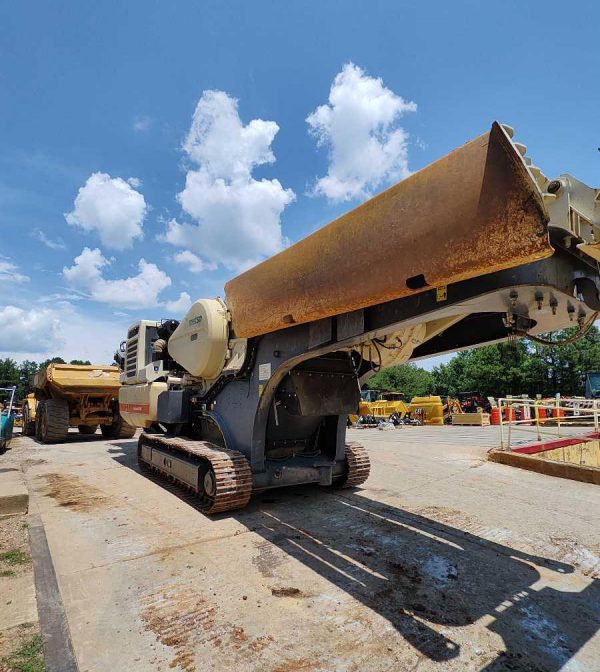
{"x":253,"y":392}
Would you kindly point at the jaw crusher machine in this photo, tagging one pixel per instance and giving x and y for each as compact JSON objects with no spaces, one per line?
{"x":253,"y":392}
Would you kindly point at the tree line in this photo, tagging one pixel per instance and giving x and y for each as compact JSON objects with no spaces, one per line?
{"x":519,"y":367}
{"x":21,"y":374}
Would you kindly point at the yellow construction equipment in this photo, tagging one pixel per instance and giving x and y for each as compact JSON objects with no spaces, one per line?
{"x":254,"y":391}
{"x":378,"y":406}
{"x":69,"y":395}
{"x":429,"y":408}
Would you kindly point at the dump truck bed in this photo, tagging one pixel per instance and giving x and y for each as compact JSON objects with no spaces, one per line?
{"x":475,"y":211}
{"x":79,"y":378}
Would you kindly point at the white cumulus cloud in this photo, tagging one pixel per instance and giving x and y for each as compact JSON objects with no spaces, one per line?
{"x":237,"y":218}
{"x":138,"y":291}
{"x":192,"y":261}
{"x":359,"y":127}
{"x":31,"y":331}
{"x":111,"y":207}
{"x":180,"y":305}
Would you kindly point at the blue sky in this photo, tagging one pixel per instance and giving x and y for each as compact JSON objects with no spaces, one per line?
{"x":111,"y":90}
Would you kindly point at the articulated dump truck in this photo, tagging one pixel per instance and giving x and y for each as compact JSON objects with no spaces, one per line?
{"x":69,"y":395}
{"x":253,"y":392}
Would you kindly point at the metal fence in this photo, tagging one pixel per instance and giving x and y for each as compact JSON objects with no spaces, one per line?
{"x":546,"y":418}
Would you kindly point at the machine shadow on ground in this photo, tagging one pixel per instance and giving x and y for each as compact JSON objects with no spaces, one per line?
{"x":72,"y":437}
{"x":422,"y":575}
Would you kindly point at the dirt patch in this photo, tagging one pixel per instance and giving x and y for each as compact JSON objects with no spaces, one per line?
{"x":287,"y":591}
{"x":21,"y":649}
{"x":14,"y":546}
{"x":71,"y":492}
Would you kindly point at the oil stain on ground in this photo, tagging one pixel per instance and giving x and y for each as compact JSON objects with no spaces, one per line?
{"x":69,"y":491}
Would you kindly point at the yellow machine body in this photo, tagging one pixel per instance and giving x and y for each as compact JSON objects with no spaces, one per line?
{"x":382,"y":407}
{"x":432,"y":408}
{"x":90,"y":390}
{"x":138,"y":404}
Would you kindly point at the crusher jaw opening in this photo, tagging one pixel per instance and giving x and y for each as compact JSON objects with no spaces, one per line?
{"x":254,"y":392}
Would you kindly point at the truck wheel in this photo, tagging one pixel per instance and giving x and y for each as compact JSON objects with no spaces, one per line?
{"x":86,"y":429}
{"x":118,"y":430}
{"x":52,"y":424}
{"x":28,"y":425}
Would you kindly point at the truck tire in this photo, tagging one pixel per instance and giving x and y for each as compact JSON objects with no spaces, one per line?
{"x":52,"y":422}
{"x":118,"y":430}
{"x":28,"y":425}
{"x":86,"y":429}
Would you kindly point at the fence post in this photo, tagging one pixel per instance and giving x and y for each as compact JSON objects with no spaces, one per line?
{"x":501,"y":426}
{"x":536,"y":409}
{"x":558,"y":412}
{"x":510,"y":412}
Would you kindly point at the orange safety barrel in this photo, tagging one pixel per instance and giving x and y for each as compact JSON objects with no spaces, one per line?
{"x":542,"y":413}
{"x":510,"y":414}
{"x":495,"y":416}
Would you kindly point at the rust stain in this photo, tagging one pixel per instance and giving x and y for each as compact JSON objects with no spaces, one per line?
{"x":298,"y":665}
{"x":69,"y":491}
{"x":185,"y":621}
{"x":179,"y":619}
{"x":475,"y":211}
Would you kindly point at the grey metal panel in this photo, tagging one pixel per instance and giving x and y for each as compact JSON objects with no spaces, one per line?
{"x":173,"y":406}
{"x":320,"y":332}
{"x":185,"y":471}
{"x":350,"y":324}
{"x":323,"y":394}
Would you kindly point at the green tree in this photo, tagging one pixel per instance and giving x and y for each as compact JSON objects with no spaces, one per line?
{"x":562,"y":368}
{"x":54,"y":360}
{"x":522,"y":367}
{"x":412,"y":380}
{"x":492,"y":370}
{"x":9,"y":372}
{"x":27,"y":369}
{"x":80,"y":361}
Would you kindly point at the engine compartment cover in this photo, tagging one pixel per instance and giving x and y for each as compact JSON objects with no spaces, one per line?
{"x":199,"y":344}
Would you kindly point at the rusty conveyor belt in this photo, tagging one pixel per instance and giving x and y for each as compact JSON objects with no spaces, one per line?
{"x":475,"y":211}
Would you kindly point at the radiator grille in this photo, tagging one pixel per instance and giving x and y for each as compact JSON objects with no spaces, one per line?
{"x":131,"y":357}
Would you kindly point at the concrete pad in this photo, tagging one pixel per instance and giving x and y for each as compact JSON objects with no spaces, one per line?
{"x":17,"y":601}
{"x":443,"y":561}
{"x":14,"y":497}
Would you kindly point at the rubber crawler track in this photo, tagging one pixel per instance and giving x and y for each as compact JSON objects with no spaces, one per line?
{"x":359,"y":465}
{"x":233,"y":475}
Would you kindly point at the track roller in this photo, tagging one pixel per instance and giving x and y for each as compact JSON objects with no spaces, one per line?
{"x":222,"y":479}
{"x":359,"y":465}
